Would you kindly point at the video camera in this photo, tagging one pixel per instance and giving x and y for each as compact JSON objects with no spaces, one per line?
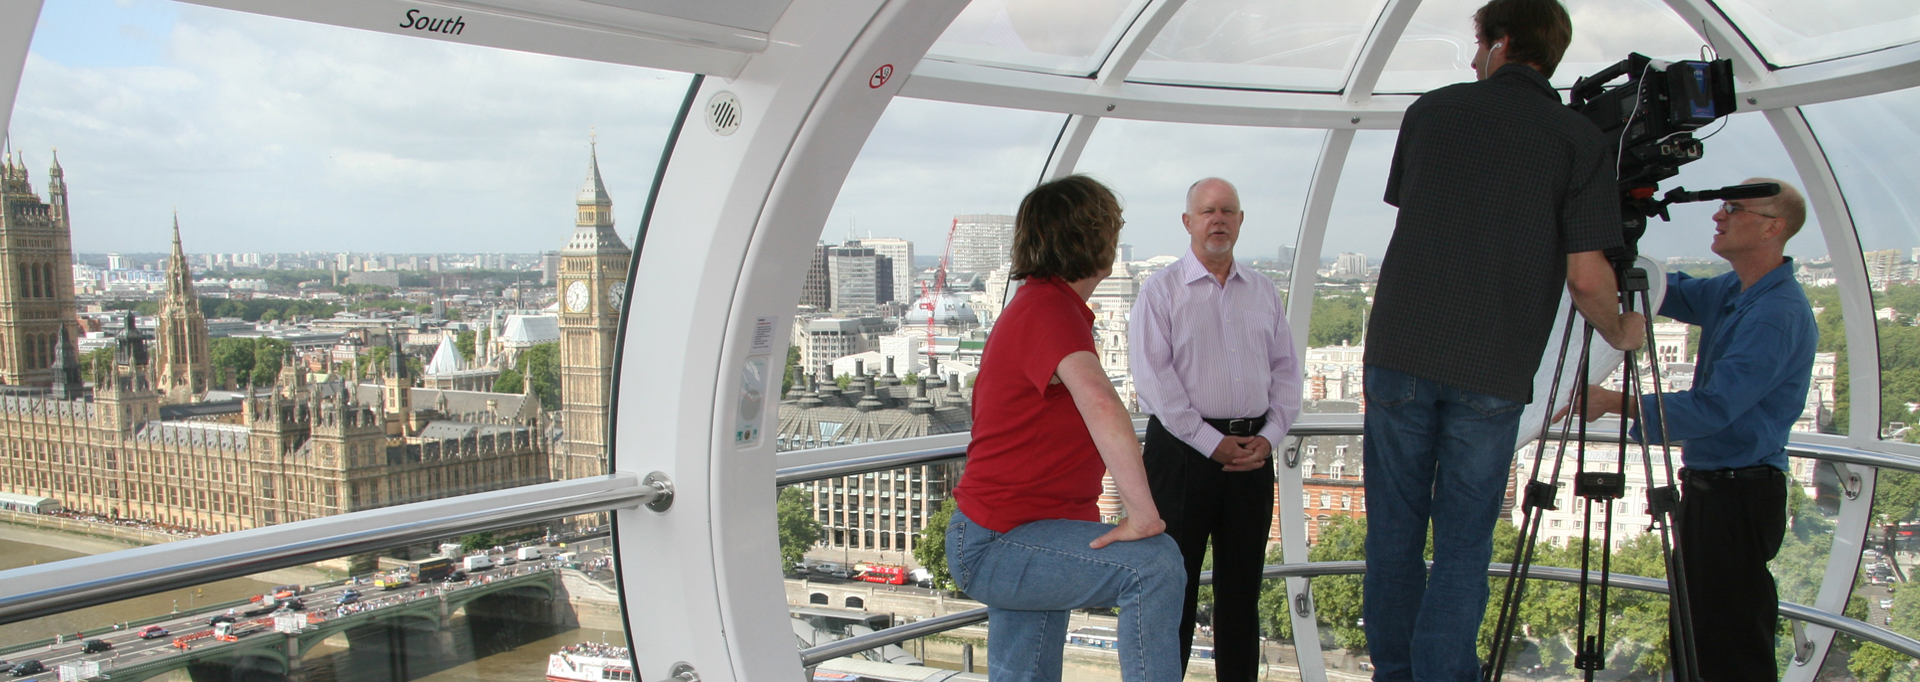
{"x":1650,"y":120}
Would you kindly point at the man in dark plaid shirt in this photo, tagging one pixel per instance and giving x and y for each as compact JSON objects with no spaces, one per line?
{"x":1505,"y":197}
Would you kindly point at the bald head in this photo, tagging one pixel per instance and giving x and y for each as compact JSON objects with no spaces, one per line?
{"x":1789,"y":205}
{"x":1194,"y":189}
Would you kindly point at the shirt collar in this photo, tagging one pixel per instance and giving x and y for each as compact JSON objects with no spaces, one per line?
{"x":1777,"y":276}
{"x":1527,"y":74}
{"x":1192,"y":270}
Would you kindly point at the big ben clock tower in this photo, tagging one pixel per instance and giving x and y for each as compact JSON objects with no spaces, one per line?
{"x":592,"y":282}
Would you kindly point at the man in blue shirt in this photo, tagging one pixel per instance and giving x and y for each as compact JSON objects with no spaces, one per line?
{"x":1757,"y":339}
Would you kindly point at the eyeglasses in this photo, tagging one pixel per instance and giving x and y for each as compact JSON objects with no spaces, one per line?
{"x":1731,"y":208}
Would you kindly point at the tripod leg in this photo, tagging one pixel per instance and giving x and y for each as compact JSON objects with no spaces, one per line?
{"x":1537,"y":498}
{"x":1663,"y":503}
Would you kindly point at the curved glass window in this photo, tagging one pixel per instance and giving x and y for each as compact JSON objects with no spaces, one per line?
{"x":1069,"y":37}
{"x":1438,"y":46}
{"x":349,"y":258}
{"x":1861,"y":138}
{"x":1791,"y":33}
{"x":1281,"y":44}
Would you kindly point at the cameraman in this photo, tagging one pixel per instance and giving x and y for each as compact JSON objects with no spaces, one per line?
{"x":1506,"y":198}
{"x":1757,"y":338}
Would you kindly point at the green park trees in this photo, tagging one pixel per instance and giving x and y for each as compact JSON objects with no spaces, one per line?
{"x":799,"y":530}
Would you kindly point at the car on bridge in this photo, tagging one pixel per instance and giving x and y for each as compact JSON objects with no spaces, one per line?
{"x":152,"y":632}
{"x":27,"y":667}
{"x":348,"y":597}
{"x":94,"y":646}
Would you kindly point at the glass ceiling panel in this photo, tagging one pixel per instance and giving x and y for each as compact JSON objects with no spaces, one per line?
{"x":1438,"y":46}
{"x":1069,"y":37}
{"x":1794,"y":32}
{"x":1278,"y":44}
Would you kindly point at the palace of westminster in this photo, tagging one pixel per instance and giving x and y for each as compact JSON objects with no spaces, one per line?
{"x":152,"y":439}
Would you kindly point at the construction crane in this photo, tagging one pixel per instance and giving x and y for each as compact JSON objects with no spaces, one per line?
{"x":936,"y":288}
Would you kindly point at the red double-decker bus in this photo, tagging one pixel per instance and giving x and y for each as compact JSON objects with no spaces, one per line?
{"x":882,"y":573}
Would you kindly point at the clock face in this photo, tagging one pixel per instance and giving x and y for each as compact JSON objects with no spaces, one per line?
{"x":616,"y":293}
{"x":577,"y":297}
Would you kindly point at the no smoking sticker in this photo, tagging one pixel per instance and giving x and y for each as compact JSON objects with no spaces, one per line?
{"x":880,"y":76}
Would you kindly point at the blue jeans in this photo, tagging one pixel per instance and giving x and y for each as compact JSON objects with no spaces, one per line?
{"x":1033,"y":576}
{"x":1433,"y":453}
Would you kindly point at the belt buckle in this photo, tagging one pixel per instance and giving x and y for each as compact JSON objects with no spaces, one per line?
{"x":1239,"y":426}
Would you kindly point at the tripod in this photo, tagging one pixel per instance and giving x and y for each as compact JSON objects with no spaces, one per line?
{"x":1597,"y":491}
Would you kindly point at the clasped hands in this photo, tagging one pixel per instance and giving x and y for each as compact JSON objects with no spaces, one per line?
{"x":1242,"y":453}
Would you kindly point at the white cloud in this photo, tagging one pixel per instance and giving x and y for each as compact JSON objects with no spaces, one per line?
{"x":276,"y":135}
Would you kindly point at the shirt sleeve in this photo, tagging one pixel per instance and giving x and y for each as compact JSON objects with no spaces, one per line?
{"x":1399,"y":150}
{"x":1150,"y":350}
{"x":1590,"y":216}
{"x":1283,"y":394}
{"x":1686,"y":297}
{"x":1054,"y":331}
{"x":1755,"y":363}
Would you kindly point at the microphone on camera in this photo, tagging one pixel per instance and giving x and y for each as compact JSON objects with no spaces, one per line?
{"x":1758,"y":190}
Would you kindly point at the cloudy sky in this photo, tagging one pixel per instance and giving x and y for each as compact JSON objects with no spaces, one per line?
{"x":274,"y":135}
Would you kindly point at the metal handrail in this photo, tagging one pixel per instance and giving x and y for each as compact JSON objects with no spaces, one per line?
{"x":47,"y":589}
{"x":1601,"y":431}
{"x":813,"y":656}
{"x":932,"y":626}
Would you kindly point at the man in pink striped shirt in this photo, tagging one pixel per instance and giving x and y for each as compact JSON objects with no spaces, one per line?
{"x":1214,"y":364}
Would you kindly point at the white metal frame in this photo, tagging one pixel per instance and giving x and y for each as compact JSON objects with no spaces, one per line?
{"x":734,"y":210}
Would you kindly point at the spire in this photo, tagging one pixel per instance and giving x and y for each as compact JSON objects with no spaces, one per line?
{"x":179,"y":274}
{"x":593,"y":192}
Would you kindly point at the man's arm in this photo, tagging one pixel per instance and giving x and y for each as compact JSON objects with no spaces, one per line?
{"x":1283,"y":392}
{"x":1752,"y":366}
{"x":1112,"y":432}
{"x":1597,"y":295}
{"x":1685,"y":298}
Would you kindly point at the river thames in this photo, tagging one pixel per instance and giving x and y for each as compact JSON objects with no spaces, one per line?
{"x":330,"y":662}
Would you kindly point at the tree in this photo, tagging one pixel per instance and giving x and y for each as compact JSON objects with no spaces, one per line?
{"x":1338,"y":318}
{"x":233,"y":356}
{"x":102,"y":357}
{"x":475,"y":542}
{"x":1336,"y":599}
{"x":509,"y":381}
{"x":786,"y":376}
{"x":799,"y":530}
{"x":266,"y":360}
{"x":541,"y":365}
{"x":931,"y":550}
{"x":463,"y":342}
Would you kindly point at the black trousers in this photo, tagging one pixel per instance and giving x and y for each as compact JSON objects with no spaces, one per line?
{"x":1728,"y":529}
{"x":1201,"y":502}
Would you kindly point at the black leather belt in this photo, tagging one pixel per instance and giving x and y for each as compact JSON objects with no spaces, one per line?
{"x":1246,"y":426}
{"x":1756,"y":471}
